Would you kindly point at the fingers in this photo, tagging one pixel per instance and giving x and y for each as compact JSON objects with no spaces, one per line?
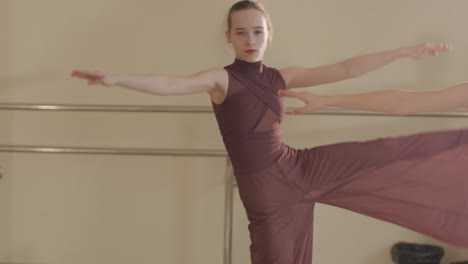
{"x":93,"y":78}
{"x":441,"y":46}
{"x":445,"y":47}
{"x":287,"y":93}
{"x":291,"y":94}
{"x":435,"y":49}
{"x":299,"y":111}
{"x":87,"y":75}
{"x":79,"y":74}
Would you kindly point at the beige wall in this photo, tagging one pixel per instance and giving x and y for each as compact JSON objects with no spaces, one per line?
{"x":66,"y":209}
{"x":5,"y":124}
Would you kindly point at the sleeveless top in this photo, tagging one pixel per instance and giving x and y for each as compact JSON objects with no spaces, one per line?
{"x":249,"y":118}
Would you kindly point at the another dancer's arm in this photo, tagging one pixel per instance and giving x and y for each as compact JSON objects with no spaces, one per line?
{"x":395,"y":102}
{"x":296,"y":77}
{"x":204,"y":81}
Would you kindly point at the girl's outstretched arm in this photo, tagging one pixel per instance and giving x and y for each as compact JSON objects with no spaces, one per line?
{"x":396,"y":102}
{"x":204,"y":81}
{"x":296,"y":77}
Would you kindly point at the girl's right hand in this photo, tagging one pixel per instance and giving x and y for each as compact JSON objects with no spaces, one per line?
{"x":426,"y":49}
{"x":94,"y":77}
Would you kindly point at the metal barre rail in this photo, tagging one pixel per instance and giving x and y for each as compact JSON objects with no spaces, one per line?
{"x":114,"y":151}
{"x":193,"y":109}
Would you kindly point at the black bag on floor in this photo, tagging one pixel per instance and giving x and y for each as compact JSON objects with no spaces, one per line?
{"x":411,"y":253}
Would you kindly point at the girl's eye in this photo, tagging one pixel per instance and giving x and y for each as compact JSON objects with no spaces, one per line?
{"x":259,"y":32}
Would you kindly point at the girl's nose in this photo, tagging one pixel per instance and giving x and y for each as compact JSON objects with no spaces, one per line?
{"x":251,"y":40}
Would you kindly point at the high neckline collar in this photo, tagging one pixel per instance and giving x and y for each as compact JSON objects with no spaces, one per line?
{"x":254,"y":68}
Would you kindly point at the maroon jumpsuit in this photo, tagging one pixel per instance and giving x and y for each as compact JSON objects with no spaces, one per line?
{"x":418,"y":181}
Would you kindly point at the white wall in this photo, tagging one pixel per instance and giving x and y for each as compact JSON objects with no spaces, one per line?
{"x":66,"y":209}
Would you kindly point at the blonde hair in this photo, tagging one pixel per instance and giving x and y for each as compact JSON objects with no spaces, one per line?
{"x":250,"y":4}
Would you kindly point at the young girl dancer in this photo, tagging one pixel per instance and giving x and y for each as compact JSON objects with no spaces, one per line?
{"x":418,"y":181}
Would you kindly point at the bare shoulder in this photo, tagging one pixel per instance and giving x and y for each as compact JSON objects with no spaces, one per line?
{"x":219,"y":75}
{"x":287,"y":74}
{"x":221,"y":81}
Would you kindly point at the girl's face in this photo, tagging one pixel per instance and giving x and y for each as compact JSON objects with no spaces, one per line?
{"x":248,"y":34}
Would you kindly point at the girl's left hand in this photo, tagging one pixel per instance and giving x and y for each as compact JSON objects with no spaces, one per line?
{"x":313,"y":102}
{"x":425,"y":50}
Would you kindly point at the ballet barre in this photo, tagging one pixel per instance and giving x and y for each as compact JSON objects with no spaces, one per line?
{"x":115,"y":151}
{"x":195,"y":110}
{"x":229,"y":174}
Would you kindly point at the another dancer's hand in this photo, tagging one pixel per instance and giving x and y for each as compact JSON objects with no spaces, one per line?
{"x":313,"y":102}
{"x":425,"y":50}
{"x":94,"y":77}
